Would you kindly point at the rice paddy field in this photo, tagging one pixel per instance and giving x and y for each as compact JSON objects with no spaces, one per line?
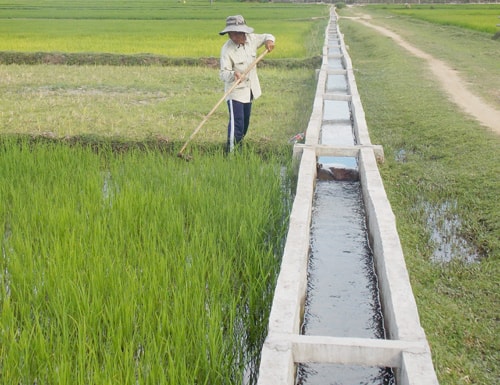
{"x":134,"y":267}
{"x":123,"y":264}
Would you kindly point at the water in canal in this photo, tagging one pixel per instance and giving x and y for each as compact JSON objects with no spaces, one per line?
{"x":342,"y":299}
{"x":342,"y":296}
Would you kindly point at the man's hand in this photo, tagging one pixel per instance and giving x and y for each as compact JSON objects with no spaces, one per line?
{"x":269,"y":45}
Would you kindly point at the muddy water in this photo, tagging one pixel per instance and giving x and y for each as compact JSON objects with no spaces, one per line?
{"x":342,"y":299}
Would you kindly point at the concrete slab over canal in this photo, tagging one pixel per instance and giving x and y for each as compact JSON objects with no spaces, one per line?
{"x":337,"y":134}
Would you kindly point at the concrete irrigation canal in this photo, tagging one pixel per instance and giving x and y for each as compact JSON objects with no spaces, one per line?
{"x":343,"y":312}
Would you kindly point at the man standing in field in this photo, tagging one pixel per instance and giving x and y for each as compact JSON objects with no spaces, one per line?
{"x":237,"y":54}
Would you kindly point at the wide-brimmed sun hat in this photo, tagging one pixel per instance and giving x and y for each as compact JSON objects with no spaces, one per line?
{"x":236,"y":24}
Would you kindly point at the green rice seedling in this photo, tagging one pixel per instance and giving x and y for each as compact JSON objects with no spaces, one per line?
{"x":134,"y":267}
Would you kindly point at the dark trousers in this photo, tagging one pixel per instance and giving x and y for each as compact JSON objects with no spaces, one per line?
{"x":239,"y":120}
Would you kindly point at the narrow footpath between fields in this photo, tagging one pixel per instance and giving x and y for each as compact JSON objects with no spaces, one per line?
{"x":449,"y":79}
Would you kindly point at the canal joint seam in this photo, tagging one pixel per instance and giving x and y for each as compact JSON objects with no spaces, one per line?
{"x":326,"y":150}
{"x":345,"y":350}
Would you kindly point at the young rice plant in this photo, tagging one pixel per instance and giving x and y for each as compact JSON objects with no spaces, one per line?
{"x":134,"y":267}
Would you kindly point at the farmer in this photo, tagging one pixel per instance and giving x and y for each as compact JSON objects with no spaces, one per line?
{"x":237,"y":54}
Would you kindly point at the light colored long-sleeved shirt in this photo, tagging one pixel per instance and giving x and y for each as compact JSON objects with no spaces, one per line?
{"x":238,"y":58}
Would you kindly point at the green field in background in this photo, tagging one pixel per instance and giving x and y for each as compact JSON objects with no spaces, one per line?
{"x":479,"y":17}
{"x":168,"y":28}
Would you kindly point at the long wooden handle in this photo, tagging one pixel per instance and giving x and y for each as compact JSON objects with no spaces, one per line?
{"x":250,"y":67}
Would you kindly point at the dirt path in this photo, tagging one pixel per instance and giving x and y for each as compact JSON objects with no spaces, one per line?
{"x":449,"y":79}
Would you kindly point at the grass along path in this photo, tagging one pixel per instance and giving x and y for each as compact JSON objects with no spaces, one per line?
{"x":441,"y":177}
{"x":473,"y":55}
{"x":449,"y":79}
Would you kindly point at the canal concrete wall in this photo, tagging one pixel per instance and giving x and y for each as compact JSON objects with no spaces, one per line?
{"x":406,"y":349}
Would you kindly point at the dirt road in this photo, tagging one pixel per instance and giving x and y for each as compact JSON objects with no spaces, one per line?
{"x":449,"y":79}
